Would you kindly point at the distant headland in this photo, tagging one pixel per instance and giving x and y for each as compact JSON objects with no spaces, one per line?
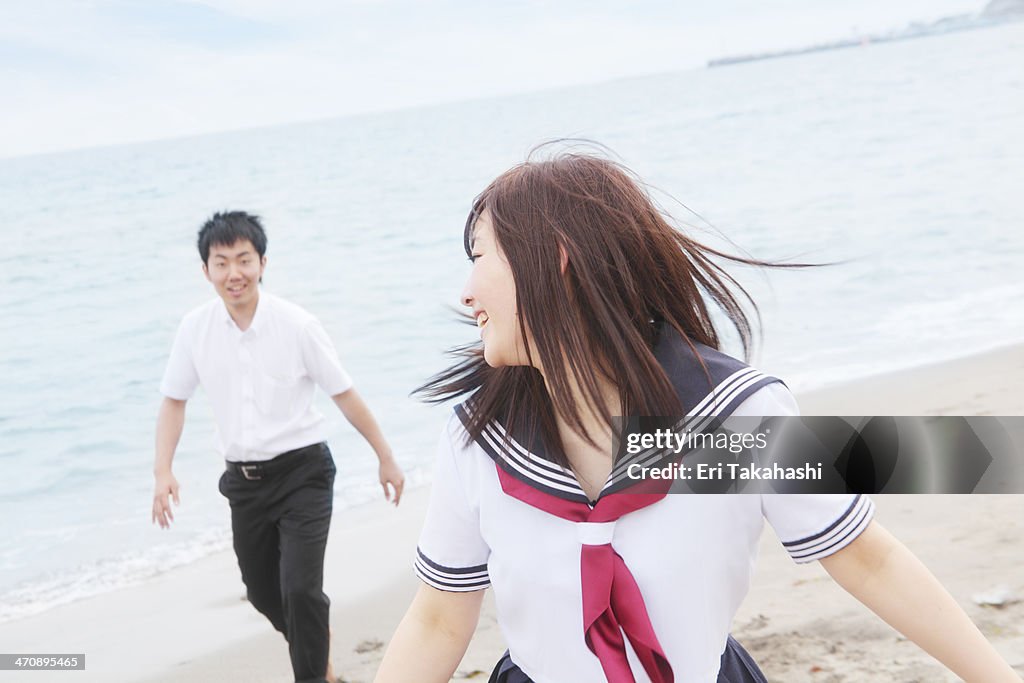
{"x":995,"y":12}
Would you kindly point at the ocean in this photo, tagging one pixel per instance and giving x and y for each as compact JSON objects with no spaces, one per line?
{"x":900,"y":163}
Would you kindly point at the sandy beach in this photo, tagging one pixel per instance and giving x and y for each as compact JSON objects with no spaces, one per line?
{"x":192,"y":624}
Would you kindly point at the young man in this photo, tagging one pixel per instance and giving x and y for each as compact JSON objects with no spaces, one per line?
{"x":258,"y":358}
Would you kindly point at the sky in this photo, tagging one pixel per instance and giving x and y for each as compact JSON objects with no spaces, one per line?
{"x":83,"y":73}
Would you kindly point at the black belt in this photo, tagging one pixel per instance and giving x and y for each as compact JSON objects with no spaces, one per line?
{"x":262,"y":469}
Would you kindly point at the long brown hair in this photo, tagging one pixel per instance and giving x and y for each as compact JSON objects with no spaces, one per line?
{"x":628,"y":272}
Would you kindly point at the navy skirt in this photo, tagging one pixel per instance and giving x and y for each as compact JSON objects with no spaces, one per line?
{"x":737,"y":667}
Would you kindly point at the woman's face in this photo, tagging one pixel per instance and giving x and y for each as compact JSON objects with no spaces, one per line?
{"x":490,"y":292}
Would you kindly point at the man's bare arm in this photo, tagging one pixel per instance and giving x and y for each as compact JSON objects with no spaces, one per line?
{"x":359,"y":416}
{"x":169,"y":424}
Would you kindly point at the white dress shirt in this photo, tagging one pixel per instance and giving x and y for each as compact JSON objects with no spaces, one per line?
{"x":260,"y":382}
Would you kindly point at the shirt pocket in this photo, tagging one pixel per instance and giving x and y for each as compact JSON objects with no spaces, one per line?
{"x":278,"y":394}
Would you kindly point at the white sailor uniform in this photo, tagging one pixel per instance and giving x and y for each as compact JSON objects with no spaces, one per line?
{"x":625,"y":588}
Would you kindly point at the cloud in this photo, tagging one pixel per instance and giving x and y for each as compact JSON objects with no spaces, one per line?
{"x":78,"y":73}
{"x":188,"y":23}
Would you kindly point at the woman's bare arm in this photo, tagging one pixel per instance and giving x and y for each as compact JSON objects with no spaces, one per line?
{"x":432,"y":637}
{"x":883,"y":574}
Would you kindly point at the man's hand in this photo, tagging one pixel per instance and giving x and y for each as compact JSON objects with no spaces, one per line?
{"x":165,"y":489}
{"x":391,"y":473}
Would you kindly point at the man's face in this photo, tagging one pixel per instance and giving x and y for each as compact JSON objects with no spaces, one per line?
{"x":235,"y":272}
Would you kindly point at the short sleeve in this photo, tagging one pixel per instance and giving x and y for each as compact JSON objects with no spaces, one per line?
{"x":180,"y":377}
{"x":810,"y":526}
{"x":814,"y":526}
{"x":451,"y":554}
{"x":321,"y":360}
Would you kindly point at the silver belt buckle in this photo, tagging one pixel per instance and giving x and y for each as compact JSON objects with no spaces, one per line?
{"x":254,"y":475}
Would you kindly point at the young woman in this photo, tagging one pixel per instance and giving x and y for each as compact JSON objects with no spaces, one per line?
{"x":591,"y":305}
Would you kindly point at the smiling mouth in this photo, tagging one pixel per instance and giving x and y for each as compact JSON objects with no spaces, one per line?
{"x":237,"y":289}
{"x":481,"y":319}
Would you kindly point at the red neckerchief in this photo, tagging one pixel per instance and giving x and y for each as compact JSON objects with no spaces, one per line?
{"x":612,"y":601}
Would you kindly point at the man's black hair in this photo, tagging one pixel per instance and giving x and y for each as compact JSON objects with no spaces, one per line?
{"x":227,"y":227}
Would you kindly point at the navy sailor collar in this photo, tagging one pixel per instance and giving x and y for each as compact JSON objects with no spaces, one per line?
{"x":689,"y":370}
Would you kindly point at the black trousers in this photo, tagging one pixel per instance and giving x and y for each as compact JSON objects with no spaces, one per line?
{"x":280,"y":516}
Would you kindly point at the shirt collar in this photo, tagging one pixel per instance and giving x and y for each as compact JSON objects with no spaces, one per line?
{"x":259,"y":318}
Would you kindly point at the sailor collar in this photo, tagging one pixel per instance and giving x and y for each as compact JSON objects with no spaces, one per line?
{"x":710,"y":386}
